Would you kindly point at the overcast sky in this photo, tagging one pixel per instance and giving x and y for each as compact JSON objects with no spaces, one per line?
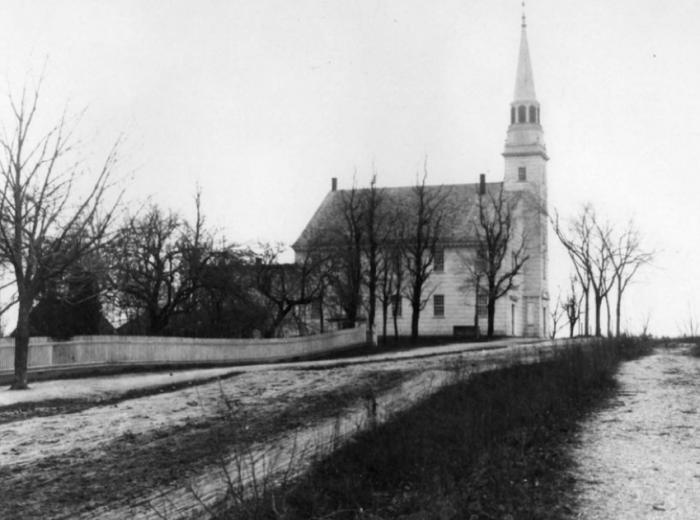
{"x":262,"y":102}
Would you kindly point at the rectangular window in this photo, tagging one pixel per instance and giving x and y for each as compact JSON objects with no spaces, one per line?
{"x":315,"y":310}
{"x":396,"y":305}
{"x":482,"y":303}
{"x":438,"y":305}
{"x":531,"y":314}
{"x":522,"y":174}
{"x":439,"y":261}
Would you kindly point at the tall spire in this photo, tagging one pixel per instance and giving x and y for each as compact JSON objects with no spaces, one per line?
{"x":525,"y":136}
{"x":524,"y":82}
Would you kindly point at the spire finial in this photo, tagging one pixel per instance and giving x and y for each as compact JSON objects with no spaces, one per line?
{"x":524,"y":23}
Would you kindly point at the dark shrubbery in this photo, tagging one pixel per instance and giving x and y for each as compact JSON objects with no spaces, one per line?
{"x":69,"y":307}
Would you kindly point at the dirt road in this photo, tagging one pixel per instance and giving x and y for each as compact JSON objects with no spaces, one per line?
{"x":118,"y":458}
{"x":639,"y":457}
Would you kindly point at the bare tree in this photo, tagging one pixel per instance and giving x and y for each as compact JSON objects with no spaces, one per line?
{"x":45,"y":227}
{"x":226,"y":303}
{"x":572,"y":305}
{"x":347,"y":277}
{"x":602,"y":261}
{"x":645,"y":324}
{"x":375,"y":232}
{"x":425,"y":216}
{"x":391,"y":272}
{"x":496,"y":237}
{"x":399,"y":273}
{"x":385,"y":287}
{"x":556,"y":313}
{"x":577,"y":242}
{"x":691,"y":329}
{"x":627,"y":257}
{"x":472,"y":284}
{"x":159,"y":263}
{"x":288,"y":286}
{"x":586,"y":243}
{"x":601,"y":269}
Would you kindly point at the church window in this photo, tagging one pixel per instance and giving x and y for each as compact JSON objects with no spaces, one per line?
{"x":533,"y":114}
{"x":522,"y":173}
{"x":512,"y":115}
{"x":438,"y":305}
{"x":522,"y":114}
{"x":315,"y":310}
{"x":531,"y":314}
{"x":538,"y":115}
{"x":482,"y":303}
{"x":439,"y":261}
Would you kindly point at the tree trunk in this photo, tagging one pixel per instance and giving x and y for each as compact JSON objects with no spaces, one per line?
{"x":586,"y":328}
{"x":155,"y":323}
{"x":415,"y":316}
{"x":372,"y":285}
{"x":22,"y":345}
{"x":320,"y":316}
{"x":618,"y":306}
{"x":320,"y":311}
{"x":385,"y":318}
{"x":598,"y":300}
{"x":476,"y":308}
{"x":396,"y":327}
{"x":491,"y":315}
{"x":572,"y":324}
{"x":273,"y":329}
{"x":607,"y":311}
{"x":371,"y":316}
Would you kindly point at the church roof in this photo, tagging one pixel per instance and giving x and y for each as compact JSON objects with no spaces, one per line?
{"x":460,"y":205}
{"x":524,"y":80}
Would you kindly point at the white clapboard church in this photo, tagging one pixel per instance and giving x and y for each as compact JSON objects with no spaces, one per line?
{"x":453,"y":302}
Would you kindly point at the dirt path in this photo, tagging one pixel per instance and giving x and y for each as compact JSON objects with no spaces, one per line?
{"x":639,"y":457}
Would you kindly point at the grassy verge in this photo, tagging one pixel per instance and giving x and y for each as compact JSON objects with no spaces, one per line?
{"x":491,"y":447}
{"x":695,"y":350}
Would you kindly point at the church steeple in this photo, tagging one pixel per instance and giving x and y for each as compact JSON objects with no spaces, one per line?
{"x":525,"y":158}
{"x":525,"y":139}
{"x":524,"y":109}
{"x":524,"y":82}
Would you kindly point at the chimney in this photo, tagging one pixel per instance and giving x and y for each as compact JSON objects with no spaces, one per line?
{"x":482,"y":184}
{"x":334,"y":183}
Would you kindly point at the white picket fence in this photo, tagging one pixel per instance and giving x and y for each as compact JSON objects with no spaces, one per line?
{"x":45,"y":353}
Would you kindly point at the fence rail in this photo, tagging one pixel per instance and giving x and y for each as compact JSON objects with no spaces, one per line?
{"x":45,"y":353}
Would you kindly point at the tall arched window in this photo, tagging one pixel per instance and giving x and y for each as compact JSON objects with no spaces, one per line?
{"x":533,"y":114}
{"x":512,"y":115}
{"x":522,"y":114}
{"x":538,"y":115}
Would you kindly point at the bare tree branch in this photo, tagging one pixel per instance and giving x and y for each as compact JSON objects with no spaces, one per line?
{"x":42,"y":234}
